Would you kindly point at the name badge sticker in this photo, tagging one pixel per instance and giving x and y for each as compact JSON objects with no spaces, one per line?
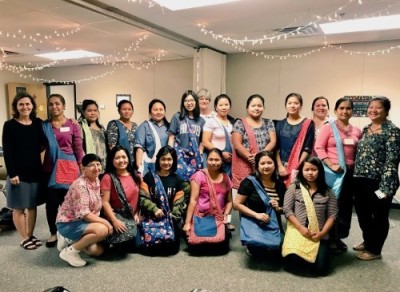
{"x":64,"y":129}
{"x":348,"y":141}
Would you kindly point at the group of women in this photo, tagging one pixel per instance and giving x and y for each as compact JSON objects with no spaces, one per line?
{"x":161,"y":180}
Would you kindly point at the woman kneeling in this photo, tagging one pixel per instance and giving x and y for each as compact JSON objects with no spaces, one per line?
{"x":78,"y":217}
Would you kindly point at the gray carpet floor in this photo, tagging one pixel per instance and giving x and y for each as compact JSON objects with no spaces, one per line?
{"x":36,"y":270}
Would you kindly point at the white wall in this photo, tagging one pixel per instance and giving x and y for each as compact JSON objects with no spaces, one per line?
{"x":330,"y":73}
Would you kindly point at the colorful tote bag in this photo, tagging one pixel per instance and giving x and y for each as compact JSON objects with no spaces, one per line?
{"x":260,"y":234}
{"x":158,"y":230}
{"x":333,"y":179}
{"x":189,"y":160}
{"x":241,"y":168}
{"x":207,"y":227}
{"x":294,"y":242}
{"x":65,"y":166}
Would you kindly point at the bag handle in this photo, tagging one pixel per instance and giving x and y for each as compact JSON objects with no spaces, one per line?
{"x":311,"y":215}
{"x":214,"y":204}
{"x":251,"y":136}
{"x":121,"y":192}
{"x":159,"y":189}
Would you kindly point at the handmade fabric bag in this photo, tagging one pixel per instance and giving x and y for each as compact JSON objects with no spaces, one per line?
{"x":158,"y":230}
{"x":241,"y":167}
{"x":125,"y":214}
{"x":189,"y":160}
{"x":293,"y":163}
{"x":333,"y":179}
{"x":260,"y":234}
{"x":149,"y":163}
{"x":294,"y":242}
{"x":207,"y":227}
{"x":65,"y":166}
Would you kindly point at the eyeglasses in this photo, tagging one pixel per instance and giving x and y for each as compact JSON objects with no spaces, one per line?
{"x":189,"y":101}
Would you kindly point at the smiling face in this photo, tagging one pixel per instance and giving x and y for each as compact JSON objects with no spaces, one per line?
{"x":321,"y":109}
{"x":266,"y":166}
{"x":255,"y":108}
{"x":92,"y":170}
{"x":120,"y":160}
{"x":223,"y":107}
{"x":310,"y":172}
{"x":376,"y":112}
{"x":189,"y":103}
{"x":293,"y":106}
{"x":344,"y":111}
{"x":166,"y":162}
{"x":204,"y":102}
{"x":126,"y":111}
{"x":214,"y":161}
{"x":56,"y":107}
{"x":157,"y":112}
{"x":91,"y":113}
{"x":24,"y":107}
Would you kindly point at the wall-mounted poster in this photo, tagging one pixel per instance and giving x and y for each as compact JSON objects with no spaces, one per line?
{"x":360,"y":104}
{"x":120,"y":97}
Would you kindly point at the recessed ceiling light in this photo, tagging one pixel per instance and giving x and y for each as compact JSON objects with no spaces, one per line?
{"x":187,"y":4}
{"x":66,"y":55}
{"x":364,"y":24}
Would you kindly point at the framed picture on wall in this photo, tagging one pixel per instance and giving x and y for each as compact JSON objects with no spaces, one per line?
{"x":120,"y":97}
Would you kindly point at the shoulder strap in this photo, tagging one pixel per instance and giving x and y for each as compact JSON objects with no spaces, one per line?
{"x":160,"y":190}
{"x":123,"y":139}
{"x":260,"y":190}
{"x":89,"y":145}
{"x":252,"y":138}
{"x":311,"y":215}
{"x":120,"y":192}
{"x":339,"y":145}
{"x":228,"y":144}
{"x":157,"y":146}
{"x":214,"y":205}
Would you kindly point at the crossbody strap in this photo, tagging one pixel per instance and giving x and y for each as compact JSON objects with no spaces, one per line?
{"x":214,"y":204}
{"x":251,"y":136}
{"x":311,"y":215}
{"x":160,"y":190}
{"x":339,"y":145}
{"x":121,"y":192}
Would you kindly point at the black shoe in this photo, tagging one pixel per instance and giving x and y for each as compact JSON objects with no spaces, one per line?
{"x":51,"y":244}
{"x":341,"y":245}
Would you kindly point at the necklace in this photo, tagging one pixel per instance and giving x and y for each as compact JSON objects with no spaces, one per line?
{"x":374,"y":131}
{"x":343,"y":130}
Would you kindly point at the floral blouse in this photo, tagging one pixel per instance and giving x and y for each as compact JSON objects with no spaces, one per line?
{"x":378,"y":157}
{"x":261,"y":133}
{"x":83,"y":197}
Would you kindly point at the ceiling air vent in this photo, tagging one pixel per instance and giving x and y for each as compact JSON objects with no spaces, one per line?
{"x":299,"y":31}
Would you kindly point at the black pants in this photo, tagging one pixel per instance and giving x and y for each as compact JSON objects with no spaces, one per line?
{"x":373,"y":214}
{"x":55,"y":197}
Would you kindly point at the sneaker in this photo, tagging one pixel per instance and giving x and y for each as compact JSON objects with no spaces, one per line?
{"x":72,"y":257}
{"x":359,"y":247}
{"x":61,"y":242}
{"x":368,"y":256}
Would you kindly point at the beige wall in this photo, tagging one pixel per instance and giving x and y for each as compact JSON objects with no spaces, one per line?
{"x":331,"y":73}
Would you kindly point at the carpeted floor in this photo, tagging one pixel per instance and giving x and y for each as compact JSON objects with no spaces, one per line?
{"x":23,"y":270}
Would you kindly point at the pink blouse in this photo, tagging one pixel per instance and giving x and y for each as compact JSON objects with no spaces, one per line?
{"x":83,"y":197}
{"x":222,"y":189}
{"x":325,"y":145}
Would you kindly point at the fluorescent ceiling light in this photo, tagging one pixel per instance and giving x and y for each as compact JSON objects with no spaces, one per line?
{"x":364,"y":24}
{"x":66,"y":55}
{"x":187,"y":4}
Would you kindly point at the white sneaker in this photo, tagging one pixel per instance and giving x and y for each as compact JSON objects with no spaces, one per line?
{"x":61,"y":242}
{"x":72,"y":257}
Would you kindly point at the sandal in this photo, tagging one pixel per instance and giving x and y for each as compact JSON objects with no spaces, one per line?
{"x":368,"y":256}
{"x":28,"y":244}
{"x":359,"y":247}
{"x":36,"y":241}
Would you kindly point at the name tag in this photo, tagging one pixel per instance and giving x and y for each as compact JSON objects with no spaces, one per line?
{"x":64,"y":129}
{"x":348,"y":141}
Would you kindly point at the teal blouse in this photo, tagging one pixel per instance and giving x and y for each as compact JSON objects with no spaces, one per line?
{"x":378,"y":157}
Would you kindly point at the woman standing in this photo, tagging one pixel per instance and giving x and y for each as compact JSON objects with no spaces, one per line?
{"x":295,"y":138}
{"x":158,"y":185}
{"x":249,"y":200}
{"x":122,"y":131}
{"x":64,"y":141}
{"x":217,"y":131}
{"x":22,"y":143}
{"x":336,"y":146}
{"x":150,"y":136}
{"x":310,"y":209}
{"x":204,"y":102}
{"x":79,"y":218}
{"x":93,"y":133}
{"x":376,"y":178}
{"x":249,"y":136}
{"x":185,"y":134}
{"x":120,"y":194}
{"x":320,"y":109}
{"x":204,"y":184}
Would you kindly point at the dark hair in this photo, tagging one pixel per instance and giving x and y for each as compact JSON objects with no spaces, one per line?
{"x":164,"y":151}
{"x":17,"y":98}
{"x":218,"y":98}
{"x":321,"y":184}
{"x":297,"y":95}
{"x":257,"y":159}
{"x":59,"y":96}
{"x":343,"y":99}
{"x":88,"y":158}
{"x":219,"y":152}
{"x":122,"y":102}
{"x":251,"y":97}
{"x":196,"y":111}
{"x":85,"y":104}
{"x":318,"y":98}
{"x":384,"y":101}
{"x":132,"y":169}
{"x":153,"y":102}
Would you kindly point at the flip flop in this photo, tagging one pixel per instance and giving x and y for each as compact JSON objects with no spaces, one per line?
{"x":35,"y":241}
{"x":28,"y":244}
